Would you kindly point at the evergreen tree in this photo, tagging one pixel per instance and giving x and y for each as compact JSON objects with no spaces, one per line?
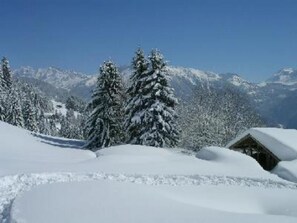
{"x":135,"y":95}
{"x":6,"y":74}
{"x":3,"y":95}
{"x":65,"y":128}
{"x":29,"y":115}
{"x":52,"y":127}
{"x":157,"y":112}
{"x":2,"y":107}
{"x":2,"y":83}
{"x":43,"y":124}
{"x":105,"y":123}
{"x":70,"y":127}
{"x":14,"y":111}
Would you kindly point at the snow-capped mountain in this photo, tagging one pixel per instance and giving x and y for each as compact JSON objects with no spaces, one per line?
{"x":281,"y":87}
{"x":66,"y":79}
{"x":287,"y":76}
{"x":192,"y":74}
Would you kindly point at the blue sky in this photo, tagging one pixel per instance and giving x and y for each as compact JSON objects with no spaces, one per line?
{"x":254,"y":38}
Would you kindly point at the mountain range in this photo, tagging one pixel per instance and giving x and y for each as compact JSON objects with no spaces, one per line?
{"x":275,"y":98}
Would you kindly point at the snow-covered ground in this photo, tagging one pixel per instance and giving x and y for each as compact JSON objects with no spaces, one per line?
{"x":48,"y":179}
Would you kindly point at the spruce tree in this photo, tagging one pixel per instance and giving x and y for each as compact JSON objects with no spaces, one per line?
{"x":70,"y":126}
{"x":29,"y":115}
{"x":2,"y":108}
{"x":105,"y":124}
{"x":14,"y":111}
{"x":134,"y":105}
{"x":43,"y":124}
{"x":2,"y":83}
{"x":65,"y":128}
{"x":158,"y":116}
{"x":52,"y":127}
{"x":3,"y":95}
{"x":6,"y":74}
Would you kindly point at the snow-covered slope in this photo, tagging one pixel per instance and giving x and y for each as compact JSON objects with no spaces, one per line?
{"x":21,"y":151}
{"x":134,"y":183}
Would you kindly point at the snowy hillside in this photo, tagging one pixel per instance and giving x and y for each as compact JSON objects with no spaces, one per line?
{"x":42,"y":176}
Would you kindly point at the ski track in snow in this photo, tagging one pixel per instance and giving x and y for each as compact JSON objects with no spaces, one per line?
{"x":11,"y":186}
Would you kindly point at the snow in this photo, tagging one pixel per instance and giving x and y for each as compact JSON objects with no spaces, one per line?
{"x":105,"y":201}
{"x":39,"y":152}
{"x":262,"y":84}
{"x":286,"y":76}
{"x":50,"y":179}
{"x":192,"y":74}
{"x":281,"y":142}
{"x":289,"y":70}
{"x":66,"y":79}
{"x":60,"y":108}
{"x":287,"y":170}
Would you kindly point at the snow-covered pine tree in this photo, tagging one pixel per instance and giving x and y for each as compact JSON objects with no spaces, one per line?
{"x":158,"y":116}
{"x":3,"y":95}
{"x":2,"y":107}
{"x":65,"y":128}
{"x":6,"y":73}
{"x":14,"y":114}
{"x":105,"y":123}
{"x":70,"y":127}
{"x":43,"y":124}
{"x":29,"y":115}
{"x":52,"y":127}
{"x":134,"y":105}
{"x":2,"y":84}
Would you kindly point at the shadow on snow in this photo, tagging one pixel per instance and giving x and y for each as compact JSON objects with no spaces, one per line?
{"x":60,"y":142}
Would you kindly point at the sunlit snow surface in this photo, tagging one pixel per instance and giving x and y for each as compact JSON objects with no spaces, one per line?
{"x":48,"y":179}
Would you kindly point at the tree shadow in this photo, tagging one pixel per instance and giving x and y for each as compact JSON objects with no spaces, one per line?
{"x":60,"y":142}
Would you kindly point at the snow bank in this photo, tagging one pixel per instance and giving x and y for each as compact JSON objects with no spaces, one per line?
{"x":287,"y":170}
{"x":134,"y":159}
{"x":105,"y":201}
{"x":21,"y":151}
{"x":281,"y":142}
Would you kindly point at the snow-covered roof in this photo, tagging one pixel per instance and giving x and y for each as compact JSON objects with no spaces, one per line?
{"x":281,"y":142}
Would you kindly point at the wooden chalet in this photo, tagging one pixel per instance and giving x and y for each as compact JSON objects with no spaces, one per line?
{"x":267,"y":145}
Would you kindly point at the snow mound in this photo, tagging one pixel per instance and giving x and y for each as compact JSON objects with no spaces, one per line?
{"x":105,"y":201}
{"x":206,"y":154}
{"x":135,"y":159}
{"x":21,"y":148}
{"x":287,"y":170}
